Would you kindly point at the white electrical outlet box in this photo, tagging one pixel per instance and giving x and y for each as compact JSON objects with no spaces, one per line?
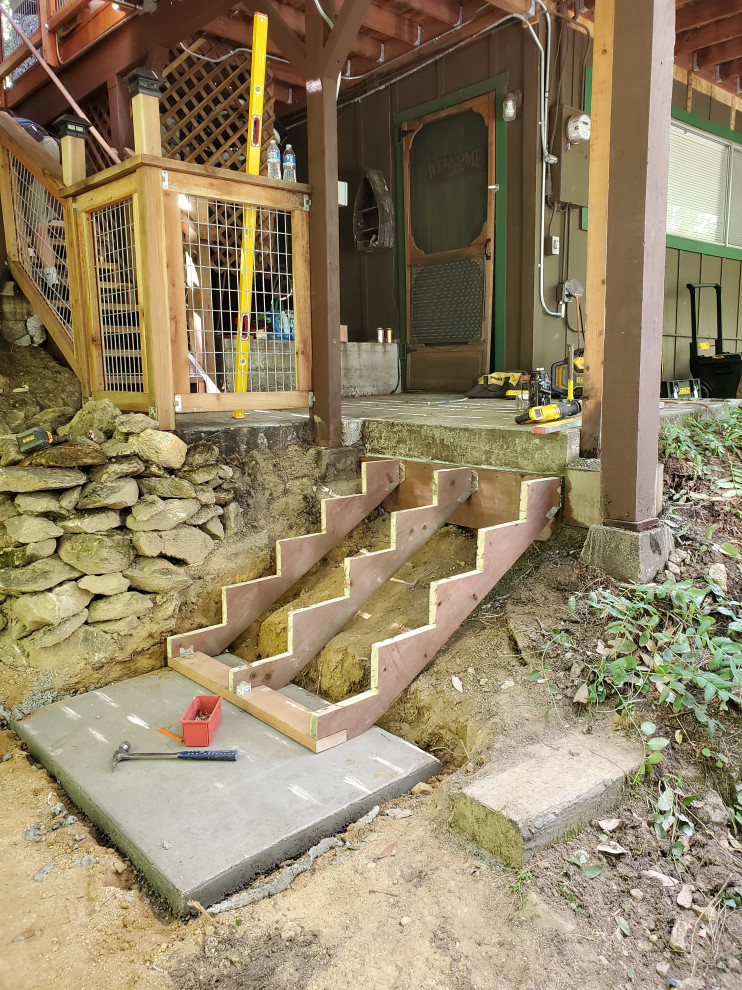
{"x":342,"y":193}
{"x":552,"y":245}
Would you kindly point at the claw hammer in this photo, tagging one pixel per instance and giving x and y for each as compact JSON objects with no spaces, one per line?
{"x":124,"y":753}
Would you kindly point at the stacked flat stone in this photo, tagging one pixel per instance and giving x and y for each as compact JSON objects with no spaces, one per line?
{"x":91,"y":531}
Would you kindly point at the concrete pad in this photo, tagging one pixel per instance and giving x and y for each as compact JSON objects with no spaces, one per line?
{"x":553,"y":790}
{"x":628,"y":556}
{"x":200,"y":831}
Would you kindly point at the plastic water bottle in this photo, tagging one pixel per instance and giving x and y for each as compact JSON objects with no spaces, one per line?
{"x":274,"y":160}
{"x":289,"y":164}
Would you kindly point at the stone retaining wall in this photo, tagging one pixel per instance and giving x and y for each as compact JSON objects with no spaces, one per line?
{"x":96,"y":535}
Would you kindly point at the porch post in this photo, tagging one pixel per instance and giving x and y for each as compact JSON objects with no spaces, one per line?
{"x":326,"y":52}
{"x":324,"y":241}
{"x":643,"y":43}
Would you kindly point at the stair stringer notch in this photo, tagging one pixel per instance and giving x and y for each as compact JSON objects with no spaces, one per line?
{"x":397,"y":661}
{"x":311,"y":628}
{"x":243,"y":603}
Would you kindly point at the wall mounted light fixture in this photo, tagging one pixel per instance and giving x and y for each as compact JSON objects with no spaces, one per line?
{"x":510,"y":105}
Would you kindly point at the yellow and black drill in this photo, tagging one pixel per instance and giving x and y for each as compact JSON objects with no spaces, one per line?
{"x":562,"y":409}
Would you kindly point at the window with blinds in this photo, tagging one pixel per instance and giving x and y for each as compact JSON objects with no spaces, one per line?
{"x":704,"y":200}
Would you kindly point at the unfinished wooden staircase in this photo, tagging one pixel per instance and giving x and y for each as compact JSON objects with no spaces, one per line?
{"x":422,"y":498}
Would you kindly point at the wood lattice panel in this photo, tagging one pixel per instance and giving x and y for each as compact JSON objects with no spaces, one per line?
{"x":204,"y":109}
{"x":97,"y":111}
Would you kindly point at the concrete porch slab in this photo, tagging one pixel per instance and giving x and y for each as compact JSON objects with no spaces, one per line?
{"x":200,"y":831}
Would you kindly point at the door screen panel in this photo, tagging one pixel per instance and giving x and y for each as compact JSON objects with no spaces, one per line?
{"x":448,"y":182}
{"x":447,"y":301}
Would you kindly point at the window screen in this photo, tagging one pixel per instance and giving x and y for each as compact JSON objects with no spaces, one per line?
{"x":697,"y":192}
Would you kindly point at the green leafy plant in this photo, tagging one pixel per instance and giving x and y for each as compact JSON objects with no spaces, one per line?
{"x":670,"y":817}
{"x":522,"y":878}
{"x":663,"y":638}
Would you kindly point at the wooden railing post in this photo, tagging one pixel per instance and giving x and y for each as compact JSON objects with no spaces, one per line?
{"x":145,"y":87}
{"x":72,"y":131}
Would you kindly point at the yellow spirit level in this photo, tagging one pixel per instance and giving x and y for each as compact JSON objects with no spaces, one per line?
{"x":252,"y":167}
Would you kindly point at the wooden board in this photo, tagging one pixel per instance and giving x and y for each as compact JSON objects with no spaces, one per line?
{"x":312,"y":628}
{"x":276,"y":710}
{"x":496,"y":499}
{"x":243,"y":603}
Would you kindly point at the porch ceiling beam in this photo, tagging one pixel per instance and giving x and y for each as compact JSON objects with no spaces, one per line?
{"x":717,"y":54}
{"x":714,"y":33}
{"x":512,"y":6}
{"x":123,"y":49}
{"x":362,"y":45}
{"x":393,"y":25}
{"x":699,"y":14}
{"x":446,"y":11}
{"x":341,"y":38}
{"x":731,"y":69}
{"x":287,"y":40}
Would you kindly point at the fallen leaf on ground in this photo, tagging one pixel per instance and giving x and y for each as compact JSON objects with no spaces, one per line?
{"x":24,"y":936}
{"x":664,"y":880}
{"x":457,"y":684}
{"x":609,"y":824}
{"x":581,"y":697}
{"x":612,"y":848}
{"x":398,"y":813}
{"x":391,"y":850}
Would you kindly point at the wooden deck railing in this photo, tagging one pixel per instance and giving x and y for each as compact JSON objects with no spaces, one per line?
{"x":61,"y":30}
{"x":154,"y":251}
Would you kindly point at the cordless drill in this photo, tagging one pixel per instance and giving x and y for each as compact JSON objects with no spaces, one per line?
{"x":38,"y":439}
{"x":552,"y":412}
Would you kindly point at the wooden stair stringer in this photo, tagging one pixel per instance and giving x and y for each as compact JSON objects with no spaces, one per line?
{"x":243,"y":603}
{"x":397,"y":661}
{"x":311,"y":628}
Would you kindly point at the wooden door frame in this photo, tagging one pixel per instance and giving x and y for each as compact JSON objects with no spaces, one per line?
{"x":499,"y":86}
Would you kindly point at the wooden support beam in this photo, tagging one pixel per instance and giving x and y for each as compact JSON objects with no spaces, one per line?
{"x":342,"y":37}
{"x":687,"y":18}
{"x":446,"y":11}
{"x":597,"y":228}
{"x":643,"y":36}
{"x":709,"y":34}
{"x":286,"y":39}
{"x":387,"y":22}
{"x":324,"y":237}
{"x":731,"y":70}
{"x":512,"y":6}
{"x":725,"y":52}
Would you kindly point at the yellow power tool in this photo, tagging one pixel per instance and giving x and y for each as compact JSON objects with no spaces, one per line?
{"x":551,"y":413}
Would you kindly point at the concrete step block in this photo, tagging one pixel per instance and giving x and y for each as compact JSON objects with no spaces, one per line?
{"x":553,"y":790}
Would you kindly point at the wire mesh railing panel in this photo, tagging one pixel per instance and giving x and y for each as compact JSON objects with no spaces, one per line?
{"x":40,"y":240}
{"x":118,"y":298}
{"x":238,"y":283}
